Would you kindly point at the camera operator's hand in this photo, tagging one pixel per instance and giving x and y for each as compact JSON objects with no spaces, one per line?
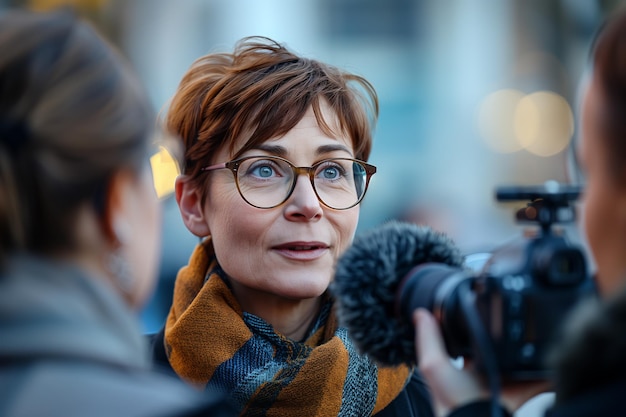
{"x":452,"y":387}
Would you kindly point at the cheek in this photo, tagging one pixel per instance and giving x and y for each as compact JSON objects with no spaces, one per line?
{"x":146,"y":243}
{"x":153,"y":216}
{"x":588,"y":218}
{"x":591,"y":210}
{"x":221,"y":207}
{"x":599,"y":219}
{"x":346,"y":223}
{"x":235,"y":226}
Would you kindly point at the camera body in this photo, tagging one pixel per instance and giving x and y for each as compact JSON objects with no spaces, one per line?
{"x":521,"y":294}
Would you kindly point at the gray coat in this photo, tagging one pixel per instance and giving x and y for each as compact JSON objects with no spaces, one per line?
{"x":69,"y":346}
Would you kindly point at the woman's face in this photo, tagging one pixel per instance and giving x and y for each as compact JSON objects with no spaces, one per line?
{"x":604,"y":199}
{"x":288,"y":251}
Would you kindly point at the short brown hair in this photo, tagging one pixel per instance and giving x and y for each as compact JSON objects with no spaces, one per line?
{"x":262,"y":90}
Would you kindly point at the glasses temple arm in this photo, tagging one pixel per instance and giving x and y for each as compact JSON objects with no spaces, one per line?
{"x":213,"y":167}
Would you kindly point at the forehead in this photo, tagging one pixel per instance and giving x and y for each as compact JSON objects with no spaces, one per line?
{"x":310,"y":128}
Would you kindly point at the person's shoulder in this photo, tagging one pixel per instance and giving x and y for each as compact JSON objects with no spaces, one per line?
{"x":75,"y":388}
{"x":604,"y":400}
{"x":159,"y":394}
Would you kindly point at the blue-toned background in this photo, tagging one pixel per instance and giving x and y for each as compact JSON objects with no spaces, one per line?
{"x":473,"y":94}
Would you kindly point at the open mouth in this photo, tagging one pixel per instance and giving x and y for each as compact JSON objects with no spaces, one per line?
{"x":301,"y":248}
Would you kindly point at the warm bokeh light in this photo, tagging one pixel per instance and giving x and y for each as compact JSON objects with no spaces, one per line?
{"x":165,"y":169}
{"x":544,"y":123}
{"x":541,"y":123}
{"x":496,"y":117}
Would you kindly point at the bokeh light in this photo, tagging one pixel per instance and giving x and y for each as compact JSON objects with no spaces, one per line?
{"x":165,"y":169}
{"x":496,"y":117}
{"x":542,"y":122}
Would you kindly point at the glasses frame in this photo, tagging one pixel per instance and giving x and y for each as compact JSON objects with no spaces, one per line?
{"x":233,"y":166}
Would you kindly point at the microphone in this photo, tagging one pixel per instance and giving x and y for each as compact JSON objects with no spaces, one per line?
{"x":370,"y":279}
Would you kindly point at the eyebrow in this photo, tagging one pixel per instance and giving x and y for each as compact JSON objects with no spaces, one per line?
{"x":322,"y":150}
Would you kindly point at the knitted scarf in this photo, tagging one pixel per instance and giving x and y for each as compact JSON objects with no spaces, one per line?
{"x":212,"y":343}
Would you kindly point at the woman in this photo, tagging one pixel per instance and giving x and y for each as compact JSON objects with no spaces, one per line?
{"x":590,"y":365}
{"x":79,"y":228}
{"x":275,"y":150}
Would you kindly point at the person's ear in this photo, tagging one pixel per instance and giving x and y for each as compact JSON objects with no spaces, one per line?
{"x":190,"y":205}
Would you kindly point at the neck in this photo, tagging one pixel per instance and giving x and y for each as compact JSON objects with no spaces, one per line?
{"x":289,"y":317}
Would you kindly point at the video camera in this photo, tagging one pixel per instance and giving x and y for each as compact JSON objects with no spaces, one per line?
{"x":511,"y":308}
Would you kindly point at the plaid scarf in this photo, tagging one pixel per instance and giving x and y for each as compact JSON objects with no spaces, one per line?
{"x":212,"y":343}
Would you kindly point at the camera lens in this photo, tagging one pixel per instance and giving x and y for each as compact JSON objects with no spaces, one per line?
{"x":566,"y":267}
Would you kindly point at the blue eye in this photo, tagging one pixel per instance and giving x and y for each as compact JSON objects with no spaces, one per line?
{"x":331,"y":173}
{"x":263,"y":171}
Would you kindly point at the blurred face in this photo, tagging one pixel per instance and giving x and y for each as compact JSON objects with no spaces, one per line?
{"x":287,"y":251}
{"x":142,"y":245}
{"x":604,"y":200}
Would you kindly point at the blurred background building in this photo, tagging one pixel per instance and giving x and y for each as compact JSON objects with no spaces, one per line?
{"x":474,"y":94}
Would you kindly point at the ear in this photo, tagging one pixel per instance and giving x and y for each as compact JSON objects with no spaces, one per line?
{"x":190,"y":206}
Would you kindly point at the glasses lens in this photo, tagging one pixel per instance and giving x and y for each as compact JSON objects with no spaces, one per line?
{"x":165,"y":169}
{"x":264,"y":182}
{"x":340,"y":183}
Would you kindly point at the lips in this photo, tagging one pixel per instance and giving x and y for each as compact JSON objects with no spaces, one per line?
{"x":302,"y":250}
{"x":302,"y":246}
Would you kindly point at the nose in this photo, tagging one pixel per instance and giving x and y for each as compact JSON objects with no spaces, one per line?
{"x":303,"y":204}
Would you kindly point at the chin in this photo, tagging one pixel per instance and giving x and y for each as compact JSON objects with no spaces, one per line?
{"x":305,"y":292}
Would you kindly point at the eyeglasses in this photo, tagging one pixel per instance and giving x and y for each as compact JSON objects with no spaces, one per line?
{"x":268,"y":181}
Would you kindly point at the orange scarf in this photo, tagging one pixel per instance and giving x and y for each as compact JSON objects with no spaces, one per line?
{"x":212,"y":343}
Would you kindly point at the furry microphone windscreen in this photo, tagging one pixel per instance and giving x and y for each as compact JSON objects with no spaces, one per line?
{"x":366,"y":283}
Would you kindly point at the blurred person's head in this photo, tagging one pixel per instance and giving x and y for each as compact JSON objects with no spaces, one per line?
{"x":263,"y":100}
{"x":75,"y":134}
{"x":603,"y":153}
